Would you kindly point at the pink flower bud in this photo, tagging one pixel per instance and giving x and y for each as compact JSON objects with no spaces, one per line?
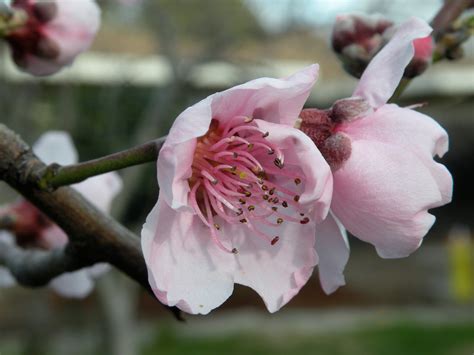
{"x":55,"y":33}
{"x":421,"y":60}
{"x":356,"y":38}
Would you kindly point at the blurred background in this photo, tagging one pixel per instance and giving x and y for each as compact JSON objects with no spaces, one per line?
{"x":154,"y":58}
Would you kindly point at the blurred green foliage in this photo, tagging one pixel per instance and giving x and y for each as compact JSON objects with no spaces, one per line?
{"x":395,"y":339}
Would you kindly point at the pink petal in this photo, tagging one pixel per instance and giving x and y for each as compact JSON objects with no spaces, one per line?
{"x":77,"y":284}
{"x":382,"y":194}
{"x":185,"y":268}
{"x":276,"y":272}
{"x":411,"y":130}
{"x":101,"y":190}
{"x":332,"y":247}
{"x":274,"y":100}
{"x":56,"y":147}
{"x":300,"y":151}
{"x":381,"y":77}
{"x":52,"y":237}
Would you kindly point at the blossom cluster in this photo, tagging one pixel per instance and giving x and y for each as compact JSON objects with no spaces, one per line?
{"x":256,"y":189}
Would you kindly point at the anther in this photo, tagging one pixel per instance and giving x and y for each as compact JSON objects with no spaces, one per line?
{"x":296,"y":198}
{"x":278,"y":163}
{"x":275,"y":240}
{"x":242,"y":201}
{"x":301,"y":214}
{"x":218,"y":227}
{"x":274,"y":208}
{"x":235,"y":251}
{"x":271,"y":151}
{"x":243,"y":220}
{"x":249,"y":146}
{"x":279,"y":220}
{"x":275,"y":200}
{"x":241,"y":211}
{"x":264,"y":187}
{"x":248,"y":193}
{"x":265,"y":135}
{"x":265,"y":197}
{"x":297,"y":181}
{"x":251,"y":208}
{"x":304,"y":220}
{"x":235,"y":155}
{"x":248,"y":119}
{"x":284,"y":204}
{"x":272,"y":191}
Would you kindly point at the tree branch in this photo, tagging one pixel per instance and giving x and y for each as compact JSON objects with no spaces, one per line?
{"x":95,"y":236}
{"x":36,"y":268}
{"x":54,"y":175}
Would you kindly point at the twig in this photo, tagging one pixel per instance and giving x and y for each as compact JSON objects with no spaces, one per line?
{"x":54,"y":176}
{"x":35,"y":268}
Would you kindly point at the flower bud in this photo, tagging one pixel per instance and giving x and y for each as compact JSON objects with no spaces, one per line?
{"x":356,"y":38}
{"x":54,"y":33}
{"x":422,"y":58}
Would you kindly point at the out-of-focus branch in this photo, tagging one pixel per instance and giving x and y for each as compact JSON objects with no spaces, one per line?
{"x":443,"y":19}
{"x":449,"y":12}
{"x":35,"y":268}
{"x":94,"y":236}
{"x":54,"y":175}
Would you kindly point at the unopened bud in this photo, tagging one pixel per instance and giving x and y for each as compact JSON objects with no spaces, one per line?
{"x":347,"y":110}
{"x":422,"y":58}
{"x":356,"y":38}
{"x":45,"y":11}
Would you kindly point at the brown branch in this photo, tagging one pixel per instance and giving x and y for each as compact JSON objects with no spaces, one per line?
{"x":95,"y":236}
{"x":449,"y":12}
{"x":36,"y":268}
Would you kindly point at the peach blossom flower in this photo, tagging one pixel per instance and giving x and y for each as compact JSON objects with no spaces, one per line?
{"x":381,"y":156}
{"x":241,"y":190}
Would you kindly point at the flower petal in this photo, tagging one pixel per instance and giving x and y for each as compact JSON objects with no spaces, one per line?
{"x":101,"y":190}
{"x":276,"y":272}
{"x":77,"y":284}
{"x":273,"y":100}
{"x":411,"y":130}
{"x":332,"y":247}
{"x":403,"y":127}
{"x":382,"y":194}
{"x":382,"y":75}
{"x":56,"y":147}
{"x":185,"y":268}
{"x":300,"y":151}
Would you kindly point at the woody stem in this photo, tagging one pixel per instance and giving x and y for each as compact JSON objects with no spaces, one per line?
{"x":54,"y":176}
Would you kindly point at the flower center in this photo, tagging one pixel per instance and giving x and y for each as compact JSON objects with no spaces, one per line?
{"x":240,"y":177}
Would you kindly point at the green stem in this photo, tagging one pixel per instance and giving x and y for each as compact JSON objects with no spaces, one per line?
{"x":54,"y":176}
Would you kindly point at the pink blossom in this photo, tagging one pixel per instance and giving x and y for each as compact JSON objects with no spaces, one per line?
{"x":381,"y":156}
{"x":32,"y":229}
{"x":55,"y":33}
{"x":241,"y":190}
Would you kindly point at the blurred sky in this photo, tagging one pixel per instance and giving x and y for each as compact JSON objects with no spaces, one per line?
{"x":275,"y":14}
